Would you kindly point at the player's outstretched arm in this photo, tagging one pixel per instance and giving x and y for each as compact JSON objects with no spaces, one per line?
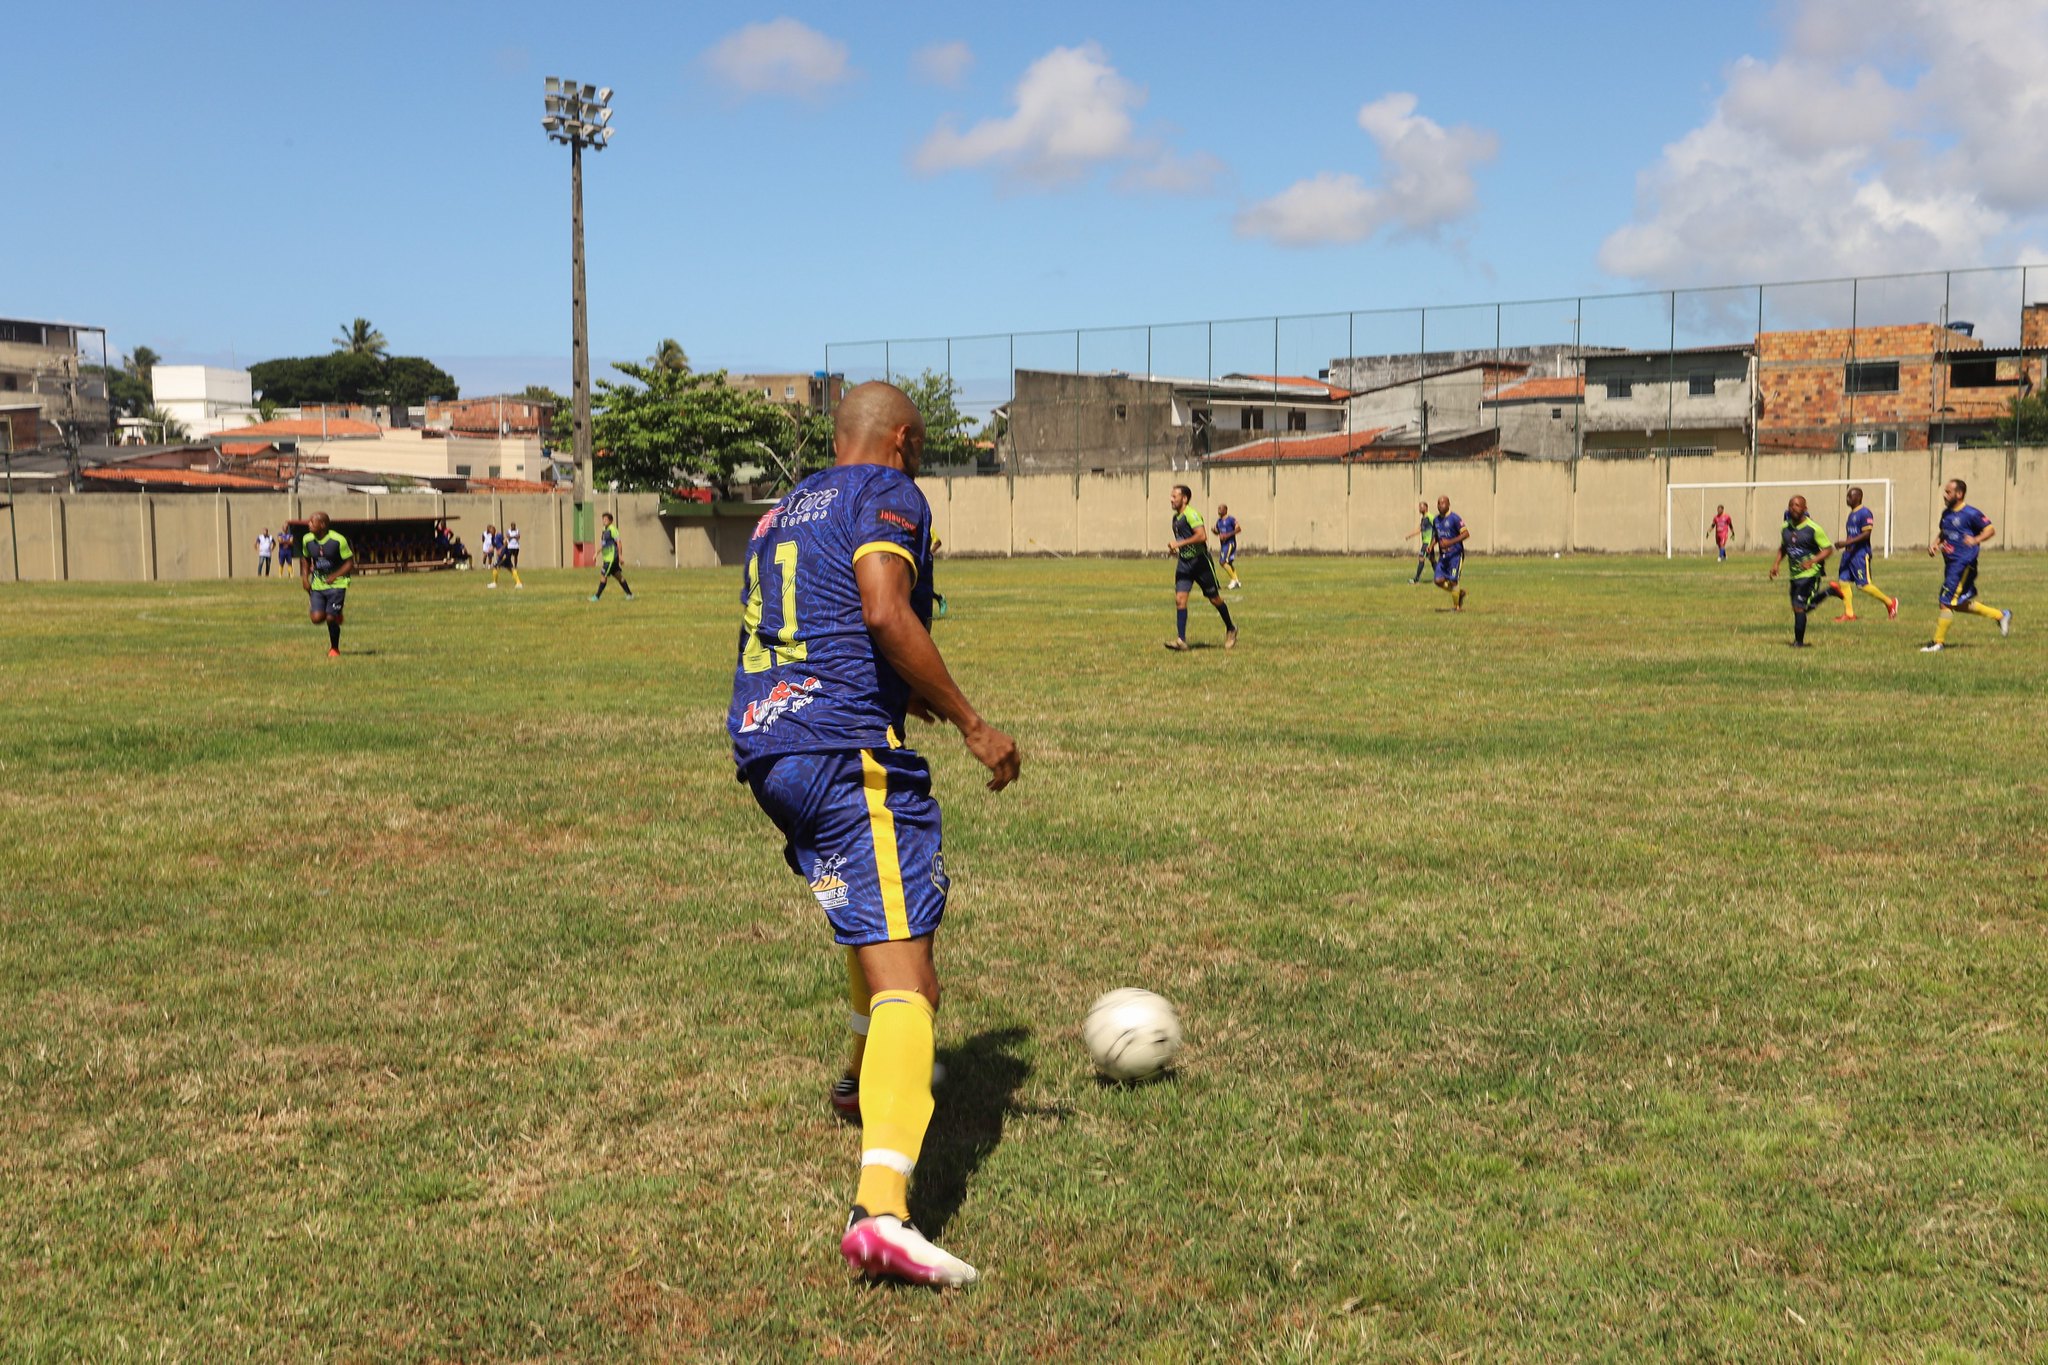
{"x":884,"y":582}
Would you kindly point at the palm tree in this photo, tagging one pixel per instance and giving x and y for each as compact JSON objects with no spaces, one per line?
{"x":169,"y":430}
{"x":670,"y":356}
{"x":140,"y":361}
{"x":360,"y":338}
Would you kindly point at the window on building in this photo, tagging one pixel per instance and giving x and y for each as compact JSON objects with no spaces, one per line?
{"x":1699,"y":386}
{"x":1860,"y":441}
{"x":10,"y":383}
{"x":462,"y":471}
{"x":1119,"y":412}
{"x":1556,"y":413}
{"x":1251,"y":419}
{"x":1620,"y":388}
{"x":1871,"y":376}
{"x":1973,"y":374}
{"x":494,"y":471}
{"x":789,"y":390}
{"x":21,"y":333}
{"x":1297,"y":421}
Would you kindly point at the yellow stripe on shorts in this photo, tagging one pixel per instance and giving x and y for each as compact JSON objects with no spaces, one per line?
{"x":874,"y":781}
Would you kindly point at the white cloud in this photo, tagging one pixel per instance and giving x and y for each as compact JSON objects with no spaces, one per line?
{"x":1073,"y":113}
{"x":779,"y":57}
{"x":1889,"y":136}
{"x":1426,"y":174}
{"x":944,"y":64}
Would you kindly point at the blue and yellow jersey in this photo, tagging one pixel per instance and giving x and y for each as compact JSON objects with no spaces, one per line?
{"x":809,"y":678}
{"x":1964,"y":521}
{"x":1226,"y":528}
{"x":1860,"y":520}
{"x":1186,"y":522}
{"x":1446,"y":527}
{"x":324,"y":556}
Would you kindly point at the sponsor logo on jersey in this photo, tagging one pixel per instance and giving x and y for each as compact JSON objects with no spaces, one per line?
{"x":827,"y":885}
{"x":897,"y":519}
{"x":782,"y":699}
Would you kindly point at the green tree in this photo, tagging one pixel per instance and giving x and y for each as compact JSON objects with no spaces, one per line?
{"x":131,"y":396}
{"x":351,"y":377}
{"x":140,"y":362}
{"x":410,"y":380}
{"x":659,"y":427}
{"x":2025,"y":423}
{"x":670,"y":355}
{"x":946,"y":438}
{"x":359,"y":337}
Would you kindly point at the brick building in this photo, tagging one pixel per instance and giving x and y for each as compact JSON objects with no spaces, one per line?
{"x":1889,"y":388}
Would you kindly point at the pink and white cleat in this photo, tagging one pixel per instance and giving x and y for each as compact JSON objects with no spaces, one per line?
{"x":886,"y":1245}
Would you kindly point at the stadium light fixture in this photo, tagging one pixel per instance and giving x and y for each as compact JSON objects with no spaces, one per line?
{"x":578,"y":116}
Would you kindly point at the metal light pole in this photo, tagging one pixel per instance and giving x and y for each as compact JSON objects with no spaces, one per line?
{"x":580,"y":116}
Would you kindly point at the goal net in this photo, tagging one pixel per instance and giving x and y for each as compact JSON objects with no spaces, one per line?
{"x":1689,"y":511}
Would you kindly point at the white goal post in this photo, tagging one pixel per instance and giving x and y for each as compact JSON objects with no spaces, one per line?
{"x":1670,"y":488}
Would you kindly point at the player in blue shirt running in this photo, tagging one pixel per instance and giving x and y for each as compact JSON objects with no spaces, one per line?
{"x":1963,"y":529}
{"x":835,"y":649}
{"x":1226,"y":543}
{"x":1451,"y":533}
{"x":1852,"y":570}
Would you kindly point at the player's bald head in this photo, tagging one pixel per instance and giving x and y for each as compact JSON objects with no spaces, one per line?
{"x":877,"y":423}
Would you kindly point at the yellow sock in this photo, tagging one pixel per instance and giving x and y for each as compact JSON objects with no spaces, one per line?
{"x":1879,"y":594}
{"x":1941,"y":625}
{"x":1848,"y":596}
{"x":895,"y":1099}
{"x":494,"y":575}
{"x":1980,"y":609}
{"x":515,"y":578}
{"x":857,"y":997}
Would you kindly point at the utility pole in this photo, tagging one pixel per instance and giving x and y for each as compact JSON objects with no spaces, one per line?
{"x":580,"y":116}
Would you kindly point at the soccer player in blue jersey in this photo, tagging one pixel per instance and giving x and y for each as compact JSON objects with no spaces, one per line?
{"x":1192,"y":568}
{"x":1451,"y":533}
{"x":1853,"y":568}
{"x":835,"y":648}
{"x":1226,"y":543}
{"x":1963,"y":530}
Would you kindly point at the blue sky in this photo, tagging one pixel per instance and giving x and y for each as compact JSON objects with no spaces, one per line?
{"x":235,"y":180}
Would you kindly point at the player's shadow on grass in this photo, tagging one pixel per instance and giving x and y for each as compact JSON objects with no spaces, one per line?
{"x":983,"y":1075}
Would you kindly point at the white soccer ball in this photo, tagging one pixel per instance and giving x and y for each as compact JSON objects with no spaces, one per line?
{"x":1131,"y":1034}
{"x":1556,"y":555}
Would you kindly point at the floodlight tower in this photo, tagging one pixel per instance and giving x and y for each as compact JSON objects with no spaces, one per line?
{"x":581,"y":116}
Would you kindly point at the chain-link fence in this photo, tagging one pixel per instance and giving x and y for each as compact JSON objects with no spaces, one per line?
{"x":1862,"y":365}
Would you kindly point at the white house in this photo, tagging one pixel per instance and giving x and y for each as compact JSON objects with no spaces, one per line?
{"x":207,"y":400}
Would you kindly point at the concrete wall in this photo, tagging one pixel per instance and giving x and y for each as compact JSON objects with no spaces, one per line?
{"x":1514,"y":506}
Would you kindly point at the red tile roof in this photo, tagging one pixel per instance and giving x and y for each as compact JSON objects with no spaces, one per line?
{"x":1572,"y":386}
{"x":178,"y":478}
{"x":1300,"y":381}
{"x":1331,"y":446}
{"x":290,"y":428}
{"x":515,"y":486}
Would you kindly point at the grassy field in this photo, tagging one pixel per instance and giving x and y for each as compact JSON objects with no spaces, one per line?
{"x":1587,"y":976}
